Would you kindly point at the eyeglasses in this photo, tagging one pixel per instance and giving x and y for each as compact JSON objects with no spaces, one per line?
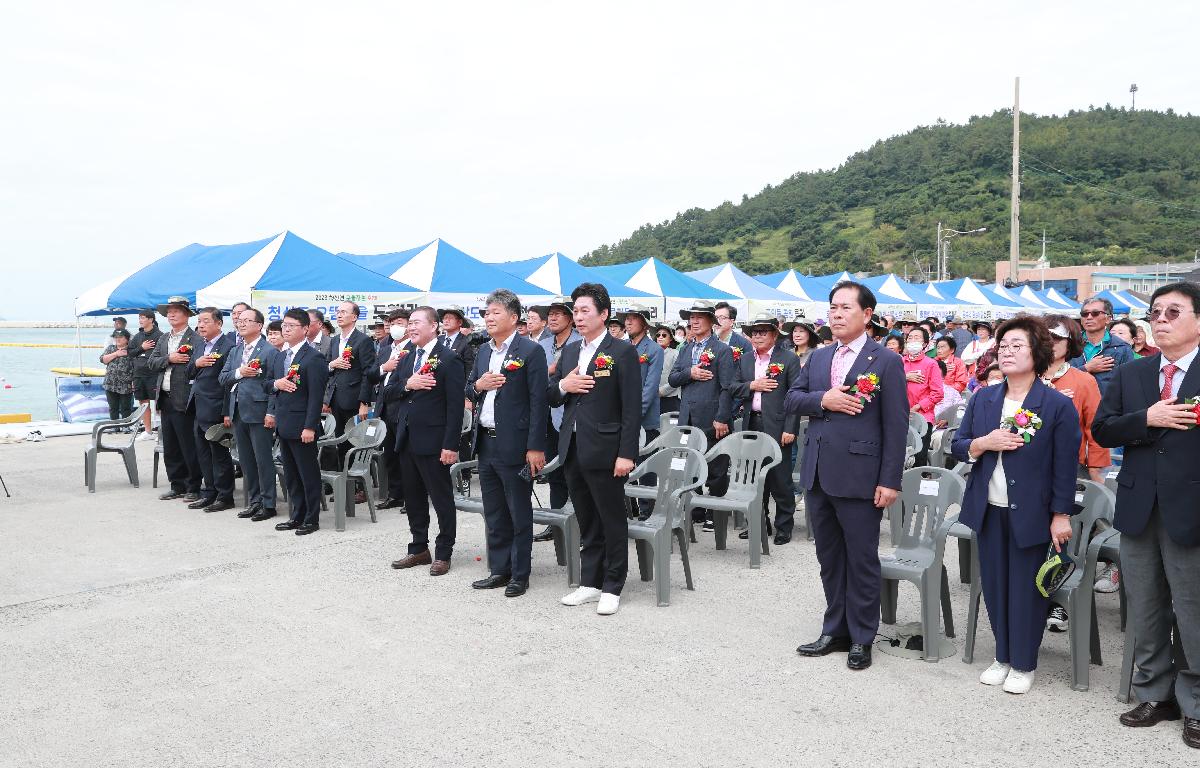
{"x":1011,"y":349}
{"x":1094,"y":313}
{"x":291,"y":325}
{"x":1171,"y":313}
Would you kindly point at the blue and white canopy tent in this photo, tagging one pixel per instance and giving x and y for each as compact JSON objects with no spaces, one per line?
{"x":1026,"y":293}
{"x":1137,"y":307}
{"x":805,"y":288}
{"x":1123,"y":303}
{"x":675,"y":290}
{"x":756,"y":296}
{"x":1053,"y":298}
{"x":448,"y":275}
{"x":1033,"y":306}
{"x":560,"y":275}
{"x":977,"y":302}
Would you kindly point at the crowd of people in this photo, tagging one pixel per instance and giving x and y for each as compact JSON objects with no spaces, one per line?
{"x":1047,"y":401}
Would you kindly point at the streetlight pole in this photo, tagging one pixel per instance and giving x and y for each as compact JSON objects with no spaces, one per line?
{"x":944,"y":234}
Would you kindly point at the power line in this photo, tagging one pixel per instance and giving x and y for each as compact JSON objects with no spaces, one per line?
{"x":1114,"y":192}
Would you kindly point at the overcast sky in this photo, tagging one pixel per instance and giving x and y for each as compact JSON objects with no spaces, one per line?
{"x":130,"y":129}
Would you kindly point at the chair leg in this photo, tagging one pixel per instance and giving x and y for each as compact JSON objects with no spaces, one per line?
{"x":371,"y":506}
{"x":1126,"y":685}
{"x":155,"y":478}
{"x":964,"y":561}
{"x":757,"y":538}
{"x":887,"y":601}
{"x":766,"y":548}
{"x":131,"y":465}
{"x":947,"y":613}
{"x":340,"y":491}
{"x":973,"y":605}
{"x":89,"y":470}
{"x":1078,"y":631}
{"x":1097,"y":659}
{"x":662,"y":571}
{"x":931,"y":627}
{"x":1121,"y":595}
{"x":645,"y":563}
{"x":572,"y":551}
{"x":721,"y":527}
{"x":560,"y":544}
{"x":687,"y":561}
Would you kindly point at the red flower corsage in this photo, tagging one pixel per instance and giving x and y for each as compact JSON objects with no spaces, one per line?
{"x":643,"y":358}
{"x":866,"y":387}
{"x":430,"y":366}
{"x":254,"y":364}
{"x":347,"y":354}
{"x":774,"y":369}
{"x":737,"y":353}
{"x":185,"y":349}
{"x":603,"y":362}
{"x":293,"y":373}
{"x":706,"y":357}
{"x":513,"y":364}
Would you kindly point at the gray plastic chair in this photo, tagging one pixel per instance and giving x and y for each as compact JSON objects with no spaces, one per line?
{"x":680,"y":471}
{"x":927,"y":493}
{"x":939,"y":454}
{"x":912,"y":447}
{"x":366,"y":439}
{"x":917,"y":422}
{"x":751,"y":456}
{"x":223,"y":436}
{"x":122,"y":443}
{"x":668,"y":420}
{"x":158,"y":451}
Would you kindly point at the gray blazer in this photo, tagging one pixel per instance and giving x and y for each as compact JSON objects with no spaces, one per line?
{"x":181,"y":384}
{"x":775,"y":419}
{"x":249,"y":401}
{"x":703,"y":402}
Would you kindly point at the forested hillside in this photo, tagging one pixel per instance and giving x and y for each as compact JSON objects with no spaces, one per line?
{"x":1106,"y":184}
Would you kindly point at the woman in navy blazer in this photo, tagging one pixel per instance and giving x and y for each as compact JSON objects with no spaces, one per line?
{"x":1019,"y":495}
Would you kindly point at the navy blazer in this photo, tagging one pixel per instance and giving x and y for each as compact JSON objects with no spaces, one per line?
{"x":208,"y":395}
{"x":703,"y":402}
{"x":297,"y":411}
{"x":1041,"y":474}
{"x":604,"y":420}
{"x":428,"y":421}
{"x":1161,"y":466}
{"x":376,"y":376}
{"x":249,"y":401}
{"x":860,"y":452}
{"x":520,"y":405}
{"x":776,"y":420}
{"x":346,"y":389}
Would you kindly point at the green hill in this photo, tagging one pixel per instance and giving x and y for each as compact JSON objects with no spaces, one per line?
{"x":1106,"y":184}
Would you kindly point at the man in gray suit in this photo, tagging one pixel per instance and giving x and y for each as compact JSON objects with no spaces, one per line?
{"x":169,"y":361}
{"x":763,"y":377}
{"x":317,"y":338}
{"x":246,"y":377}
{"x":704,"y":373}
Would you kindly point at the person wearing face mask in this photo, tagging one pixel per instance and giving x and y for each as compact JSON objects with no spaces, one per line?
{"x":924,"y":383}
{"x":391,"y":352}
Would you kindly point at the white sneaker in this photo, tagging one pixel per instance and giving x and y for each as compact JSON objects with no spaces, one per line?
{"x":609,"y":603}
{"x":581,"y":595}
{"x":1018,"y":681}
{"x":145,"y":436}
{"x":995,"y":674}
{"x":1108,"y":580}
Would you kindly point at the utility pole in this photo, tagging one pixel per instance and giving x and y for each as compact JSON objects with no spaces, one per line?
{"x":1014,"y":235}
{"x":937,"y":252}
{"x":1043,"y":264}
{"x":1133,"y":97}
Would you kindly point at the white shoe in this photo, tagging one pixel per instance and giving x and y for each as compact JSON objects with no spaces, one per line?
{"x":609,"y":603}
{"x":1018,"y":681}
{"x":145,"y":436}
{"x":581,"y":595}
{"x":995,"y":674}
{"x":1056,"y":621}
{"x":1108,"y":580}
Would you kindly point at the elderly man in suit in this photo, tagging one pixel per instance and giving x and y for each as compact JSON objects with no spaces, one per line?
{"x":853,"y":460}
{"x":428,"y":392}
{"x":598,"y":384}
{"x":1149,"y":409}
{"x":391,"y":352}
{"x":508,"y":385}
{"x":316,"y":336}
{"x":704,"y":373}
{"x":294,"y":412}
{"x":246,"y":375}
{"x":170,"y":360}
{"x":560,"y":331}
{"x":348,"y":392}
{"x":764,"y":376}
{"x":209,"y":408}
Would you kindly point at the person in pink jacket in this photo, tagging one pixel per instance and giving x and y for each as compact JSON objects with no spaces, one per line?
{"x":924,"y":376}
{"x":956,"y":369}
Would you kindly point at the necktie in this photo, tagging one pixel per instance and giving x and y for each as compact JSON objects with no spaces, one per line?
{"x":417,"y":360}
{"x":287,"y":360}
{"x":1168,"y":377}
{"x":840,"y":366}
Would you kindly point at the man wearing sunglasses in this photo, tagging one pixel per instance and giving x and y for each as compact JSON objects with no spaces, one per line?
{"x":1103,"y":353}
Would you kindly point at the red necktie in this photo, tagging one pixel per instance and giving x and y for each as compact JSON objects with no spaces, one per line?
{"x":1168,"y":375}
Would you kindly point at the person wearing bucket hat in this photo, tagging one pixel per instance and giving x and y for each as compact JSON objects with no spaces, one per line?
{"x":704,"y":373}
{"x":169,"y":362}
{"x":560,"y":331}
{"x":802,"y":338}
{"x":453,"y":318}
{"x":637,"y":321}
{"x":762,"y":379}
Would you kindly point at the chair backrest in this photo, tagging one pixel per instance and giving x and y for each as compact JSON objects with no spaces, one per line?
{"x":1099,"y":503}
{"x":328,"y":425}
{"x":668,"y":420}
{"x":926,"y":494}
{"x":675,"y":467}
{"x":111,"y":426}
{"x":468,"y":420}
{"x":917,"y":422}
{"x":954,"y":418}
{"x":750,"y":454}
{"x":915,"y":443}
{"x":675,"y":437}
{"x":942,"y":439}
{"x":366,"y":440}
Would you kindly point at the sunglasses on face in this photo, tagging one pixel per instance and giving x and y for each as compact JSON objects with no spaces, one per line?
{"x":1093,"y":313}
{"x":1171,"y":313}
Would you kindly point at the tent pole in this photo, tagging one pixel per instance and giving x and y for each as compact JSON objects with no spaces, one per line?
{"x":78,"y":342}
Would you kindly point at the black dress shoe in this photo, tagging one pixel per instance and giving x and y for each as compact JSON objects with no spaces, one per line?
{"x":494,"y":581}
{"x":824,"y":645}
{"x":860,"y":656}
{"x":251,"y":510}
{"x":201,"y":503}
{"x":1191,"y":732}
{"x":219,"y":506}
{"x":517,"y":588}
{"x":389,"y":504}
{"x":288,"y":525}
{"x":1150,"y":713}
{"x":782,"y":538}
{"x":744,"y":535}
{"x":190,"y":496}
{"x":265,"y":514}
{"x":304,"y":530}
{"x":547,"y":534}
{"x":171,"y":495}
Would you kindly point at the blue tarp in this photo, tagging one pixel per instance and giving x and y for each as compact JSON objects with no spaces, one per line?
{"x":439,"y":267}
{"x":560,"y":275}
{"x":727,"y":277}
{"x":659,"y":279}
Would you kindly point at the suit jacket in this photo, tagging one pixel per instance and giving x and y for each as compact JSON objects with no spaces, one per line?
{"x":248,"y":402}
{"x":860,"y":452}
{"x":427,"y":421}
{"x":346,"y":389}
{"x":1161,"y":466}
{"x":1040,"y":475}
{"x":376,"y":376}
{"x":776,"y":419}
{"x":324,"y":347}
{"x":181,"y":383}
{"x":208,"y":401}
{"x":605,"y":419}
{"x":520,"y":405}
{"x":465,"y":352}
{"x":297,"y":411}
{"x":703,"y":402}
{"x":651,"y":371}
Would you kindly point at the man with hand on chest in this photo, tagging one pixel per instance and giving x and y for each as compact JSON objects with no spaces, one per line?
{"x":650,"y":363}
{"x":508,"y":384}
{"x":348,"y":391}
{"x":391,"y":352}
{"x":598,"y":384}
{"x":246,"y":375}
{"x":208,"y":407}
{"x":170,"y":360}
{"x":560,"y":331}
{"x":428,"y":391}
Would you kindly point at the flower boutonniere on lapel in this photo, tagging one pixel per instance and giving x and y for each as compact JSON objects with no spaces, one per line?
{"x":1024,"y":422}
{"x":430,"y":365}
{"x":643,"y":358}
{"x":866,"y":387}
{"x":737,"y":353}
{"x":706,"y":358}
{"x":1195,"y":403}
{"x":400,"y":355}
{"x":512,"y":365}
{"x":293,"y":373}
{"x":774,"y":369}
{"x":604,"y":365}
{"x":185,"y":349}
{"x":348,"y":354}
{"x":255,"y":364}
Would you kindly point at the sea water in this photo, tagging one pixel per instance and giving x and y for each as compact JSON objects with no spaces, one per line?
{"x":28,"y":384}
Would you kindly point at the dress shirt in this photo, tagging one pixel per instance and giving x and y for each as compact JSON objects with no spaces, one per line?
{"x":487,"y":413}
{"x":698,"y":349}
{"x":847,"y":358}
{"x":587,"y":350}
{"x":1182,"y":365}
{"x":761,"y":361}
{"x":553,"y":353}
{"x":426,"y":352}
{"x":174,"y":339}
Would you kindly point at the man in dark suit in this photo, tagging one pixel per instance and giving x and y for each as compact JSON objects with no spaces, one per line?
{"x":704,"y":373}
{"x":209,"y":408}
{"x":1149,"y":409}
{"x":379,"y":336}
{"x":508,"y":385}
{"x":560,"y":331}
{"x":456,"y":328}
{"x":170,"y":360}
{"x":764,"y":376}
{"x":246,"y":376}
{"x":598,"y":384}
{"x":726,"y":333}
{"x":391,"y":352}
{"x":853,"y":460}
{"x":428,"y":392}
{"x":348,"y":392}
{"x":294,"y":412}
{"x":316,"y":336}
